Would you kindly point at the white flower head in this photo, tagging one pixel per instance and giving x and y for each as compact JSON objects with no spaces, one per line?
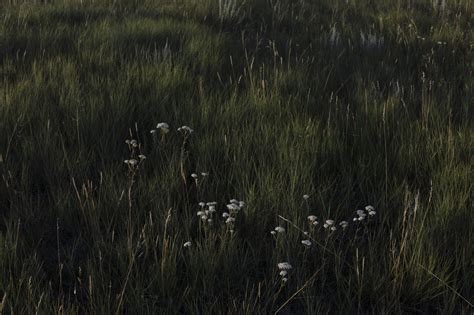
{"x":212,"y":209}
{"x":235,"y":201}
{"x":194,"y":175}
{"x":204,"y":174}
{"x":186,"y":129}
{"x":284,"y":266}
{"x":241,"y":204}
{"x":372,"y":213}
{"x":233,"y":206}
{"x":280,"y":229}
{"x":315,"y":223}
{"x":225,"y":215}
{"x":369,"y":208}
{"x":306,"y":243}
{"x":230,"y":220}
{"x":284,"y":279}
{"x":344,"y":224}
{"x":131,"y":162}
{"x":204,"y":217}
{"x":187,"y":244}
{"x":164,"y":127}
{"x":211,"y":203}
{"x":283,"y":273}
{"x":305,"y":197}
{"x":142,"y":157}
{"x":330,"y":222}
{"x":273,"y":232}
{"x":333,"y":228}
{"x":200,"y":213}
{"x":312,"y":218}
{"x":202,"y":204}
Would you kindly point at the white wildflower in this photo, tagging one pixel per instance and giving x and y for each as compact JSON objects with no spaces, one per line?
{"x":232,"y":206}
{"x":187,"y":244}
{"x":225,"y":215}
{"x":344,"y":224}
{"x":284,"y":266}
{"x":204,"y":174}
{"x":284,"y":279}
{"x":280,"y":229}
{"x":202,"y":204}
{"x":194,"y":175}
{"x":142,"y":157}
{"x":330,"y":222}
{"x":235,"y":201}
{"x":333,"y":228}
{"x":369,"y":208}
{"x":283,"y":273}
{"x":305,"y":197}
{"x":306,"y":243}
{"x":241,"y":204}
{"x":273,"y":232}
{"x":186,"y":129}
{"x":164,"y":127}
{"x":372,"y":213}
{"x":200,"y":213}
{"x":312,"y":218}
{"x":230,"y":220}
{"x":131,"y":162}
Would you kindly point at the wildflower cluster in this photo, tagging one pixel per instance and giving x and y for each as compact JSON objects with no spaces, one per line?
{"x":135,"y":154}
{"x":284,"y":267}
{"x":278,"y":229}
{"x":233,"y":209}
{"x":362,"y":214}
{"x":207,"y":211}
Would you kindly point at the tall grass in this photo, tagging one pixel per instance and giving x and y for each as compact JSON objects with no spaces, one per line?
{"x":351,"y":103}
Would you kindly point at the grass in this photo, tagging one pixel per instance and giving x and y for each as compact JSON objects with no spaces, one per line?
{"x":285,"y":99}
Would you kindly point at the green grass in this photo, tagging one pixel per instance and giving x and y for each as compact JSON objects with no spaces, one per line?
{"x":278,"y":111}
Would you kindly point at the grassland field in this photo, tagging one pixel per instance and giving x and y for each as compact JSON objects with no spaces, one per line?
{"x":343,"y":129}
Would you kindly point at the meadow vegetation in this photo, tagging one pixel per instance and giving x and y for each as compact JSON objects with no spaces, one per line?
{"x":303,"y":111}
